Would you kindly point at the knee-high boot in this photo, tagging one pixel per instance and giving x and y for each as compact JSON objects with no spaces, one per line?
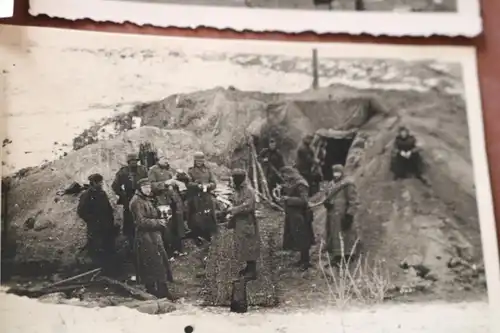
{"x":305,"y":258}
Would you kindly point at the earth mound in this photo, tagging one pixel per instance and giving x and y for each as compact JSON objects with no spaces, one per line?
{"x":223,"y":119}
{"x":399,"y":221}
{"x":49,"y":232}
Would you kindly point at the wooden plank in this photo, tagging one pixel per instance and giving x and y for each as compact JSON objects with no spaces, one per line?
{"x":134,"y":292}
{"x":76,"y":277}
{"x":38,"y":292}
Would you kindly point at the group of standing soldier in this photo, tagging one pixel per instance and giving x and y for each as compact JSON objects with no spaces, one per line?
{"x":298,"y":183}
{"x":341,"y":201}
{"x":188,"y":196}
{"x":155,"y":238}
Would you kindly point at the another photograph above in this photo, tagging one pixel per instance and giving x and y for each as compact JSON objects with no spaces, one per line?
{"x":343,"y":5}
{"x":373,"y":17}
{"x":343,"y":187}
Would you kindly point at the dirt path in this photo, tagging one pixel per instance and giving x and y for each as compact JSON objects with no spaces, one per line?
{"x":47,"y":318}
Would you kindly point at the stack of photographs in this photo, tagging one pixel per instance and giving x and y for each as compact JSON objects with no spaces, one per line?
{"x":221,"y":185}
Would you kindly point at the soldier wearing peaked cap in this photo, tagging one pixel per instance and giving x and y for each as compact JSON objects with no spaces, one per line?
{"x":96,"y":211}
{"x":95,"y":178}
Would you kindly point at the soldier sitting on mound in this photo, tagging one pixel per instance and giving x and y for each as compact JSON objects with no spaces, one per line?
{"x":406,"y":159}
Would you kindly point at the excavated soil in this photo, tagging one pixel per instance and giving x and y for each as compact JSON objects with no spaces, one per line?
{"x":50,"y":235}
{"x":400,"y":222}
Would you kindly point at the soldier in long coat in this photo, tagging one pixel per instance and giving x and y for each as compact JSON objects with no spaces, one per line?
{"x":95,"y":210}
{"x":244,"y":222}
{"x":307,"y":164}
{"x":164,"y":187}
{"x":153,"y":267}
{"x":298,"y":231}
{"x":201,"y":210}
{"x":272,"y":161}
{"x":341,"y":205}
{"x":125,"y":186}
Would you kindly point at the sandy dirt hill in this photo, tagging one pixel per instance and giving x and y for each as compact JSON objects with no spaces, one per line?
{"x":56,"y":233}
{"x":399,"y":221}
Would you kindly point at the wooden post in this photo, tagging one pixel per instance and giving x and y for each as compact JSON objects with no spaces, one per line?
{"x":254,"y":167}
{"x":359,"y":5}
{"x":315,"y":83}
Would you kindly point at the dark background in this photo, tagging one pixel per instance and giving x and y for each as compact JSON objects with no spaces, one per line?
{"x":487,"y":44}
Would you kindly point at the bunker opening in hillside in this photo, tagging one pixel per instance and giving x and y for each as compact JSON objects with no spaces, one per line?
{"x":336,"y":146}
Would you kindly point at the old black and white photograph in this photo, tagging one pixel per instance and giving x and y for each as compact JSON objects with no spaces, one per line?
{"x":200,"y":185}
{"x":373,"y":17}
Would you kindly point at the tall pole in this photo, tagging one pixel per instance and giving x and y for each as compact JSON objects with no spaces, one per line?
{"x":359,"y":5}
{"x":315,"y":83}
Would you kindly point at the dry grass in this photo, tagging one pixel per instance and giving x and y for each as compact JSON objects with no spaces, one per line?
{"x":359,"y":281}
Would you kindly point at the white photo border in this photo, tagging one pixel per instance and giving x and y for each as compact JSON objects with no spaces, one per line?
{"x":465,"y":56}
{"x":6,"y":8}
{"x":466,"y":22}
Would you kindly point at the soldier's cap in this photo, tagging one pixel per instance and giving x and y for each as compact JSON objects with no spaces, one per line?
{"x":132,"y":157}
{"x":338,"y":168}
{"x":199,"y":155}
{"x":309,"y":137}
{"x":143,"y":182}
{"x":403,"y":128}
{"x":163,"y":159}
{"x":238,"y":172}
{"x":95,"y":178}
